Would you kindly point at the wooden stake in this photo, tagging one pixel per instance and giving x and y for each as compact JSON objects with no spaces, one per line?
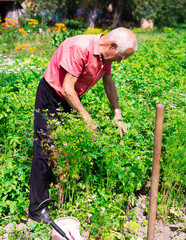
{"x":155,"y":171}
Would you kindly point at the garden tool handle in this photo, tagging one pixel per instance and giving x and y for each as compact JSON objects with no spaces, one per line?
{"x":155,"y":170}
{"x":59,"y":230}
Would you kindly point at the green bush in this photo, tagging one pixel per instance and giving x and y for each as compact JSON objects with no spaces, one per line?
{"x":163,"y":12}
{"x":74,"y":24}
{"x":58,"y":38}
{"x":18,"y":83}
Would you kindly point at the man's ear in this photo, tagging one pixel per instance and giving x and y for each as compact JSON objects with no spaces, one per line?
{"x":113,"y":45}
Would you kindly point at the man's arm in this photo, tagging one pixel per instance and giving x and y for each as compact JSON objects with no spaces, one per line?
{"x":110,"y":90}
{"x":68,"y":91}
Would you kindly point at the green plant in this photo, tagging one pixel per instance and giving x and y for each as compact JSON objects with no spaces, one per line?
{"x":106,"y":175}
{"x":74,"y":24}
{"x":16,"y":125}
{"x":58,"y":38}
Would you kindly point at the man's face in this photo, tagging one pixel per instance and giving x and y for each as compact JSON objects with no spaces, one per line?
{"x":114,"y":56}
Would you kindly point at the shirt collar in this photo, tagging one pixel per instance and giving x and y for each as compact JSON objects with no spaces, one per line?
{"x":96,"y":45}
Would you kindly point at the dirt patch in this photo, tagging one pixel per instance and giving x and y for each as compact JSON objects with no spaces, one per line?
{"x":23,"y":227}
{"x":162,"y":231}
{"x":9,"y":228}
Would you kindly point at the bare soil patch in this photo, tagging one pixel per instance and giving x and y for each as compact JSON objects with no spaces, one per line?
{"x":162,"y":231}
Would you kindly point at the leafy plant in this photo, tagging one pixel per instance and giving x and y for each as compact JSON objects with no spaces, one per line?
{"x":58,"y":38}
{"x":96,"y":181}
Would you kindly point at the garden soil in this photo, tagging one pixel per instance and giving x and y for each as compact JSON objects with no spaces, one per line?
{"x":162,"y":231}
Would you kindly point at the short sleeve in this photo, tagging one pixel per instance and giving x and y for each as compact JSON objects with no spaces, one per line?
{"x":73,"y":60}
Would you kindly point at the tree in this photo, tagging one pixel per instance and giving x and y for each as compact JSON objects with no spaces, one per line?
{"x":71,"y":7}
{"x":92,"y":13}
{"x":118,"y":9}
{"x":162,"y":12}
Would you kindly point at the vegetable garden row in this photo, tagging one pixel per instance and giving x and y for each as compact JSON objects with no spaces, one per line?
{"x":96,"y":181}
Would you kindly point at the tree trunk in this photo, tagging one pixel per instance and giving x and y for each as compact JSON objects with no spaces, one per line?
{"x":118,"y":13}
{"x":93,"y":14}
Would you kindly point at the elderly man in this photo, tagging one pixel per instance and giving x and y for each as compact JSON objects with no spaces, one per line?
{"x":78,"y":63}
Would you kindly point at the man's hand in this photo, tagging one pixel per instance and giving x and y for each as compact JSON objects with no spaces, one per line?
{"x":90,"y":124}
{"x":119,"y":121}
{"x":110,"y":90}
{"x":122,"y":127}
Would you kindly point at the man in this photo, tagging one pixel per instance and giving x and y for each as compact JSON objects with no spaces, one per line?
{"x":78,"y":63}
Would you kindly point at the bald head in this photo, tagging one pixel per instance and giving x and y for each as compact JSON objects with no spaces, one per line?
{"x":124,"y":38}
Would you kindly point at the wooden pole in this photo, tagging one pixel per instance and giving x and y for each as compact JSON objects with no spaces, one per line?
{"x":155,"y":171}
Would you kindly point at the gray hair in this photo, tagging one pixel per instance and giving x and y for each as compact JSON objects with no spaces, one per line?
{"x":124,"y":38}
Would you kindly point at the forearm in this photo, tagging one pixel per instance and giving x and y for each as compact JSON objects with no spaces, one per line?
{"x":74,"y":101}
{"x":110,"y":90}
{"x":69,"y":93}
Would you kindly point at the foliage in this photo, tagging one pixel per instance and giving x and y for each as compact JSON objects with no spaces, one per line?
{"x":125,"y":167}
{"x":32,"y":230}
{"x":16,"y":126}
{"x":58,"y":38}
{"x":106,"y":175}
{"x":96,"y":31}
{"x":164,"y":13}
{"x":25,"y":37}
{"x":71,"y":7}
{"x":75,"y":24}
{"x":36,"y":7}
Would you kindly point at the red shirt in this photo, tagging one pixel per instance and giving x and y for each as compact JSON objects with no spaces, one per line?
{"x":79,"y":56}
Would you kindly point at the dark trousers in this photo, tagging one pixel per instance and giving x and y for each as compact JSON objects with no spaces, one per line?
{"x":47,"y":102}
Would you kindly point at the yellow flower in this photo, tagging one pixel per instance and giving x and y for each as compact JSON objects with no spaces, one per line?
{"x":31,"y":50}
{"x":33,"y":26}
{"x":60,"y":26}
{"x":32,"y":21}
{"x":34,"y":48}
